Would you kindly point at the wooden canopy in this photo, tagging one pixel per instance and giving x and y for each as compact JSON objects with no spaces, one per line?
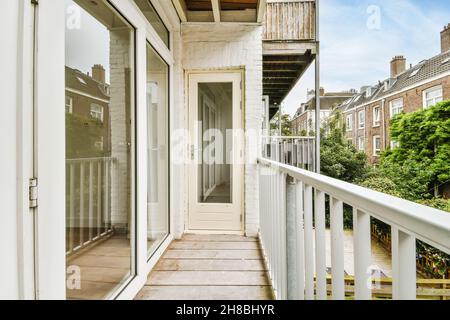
{"x":220,"y":10}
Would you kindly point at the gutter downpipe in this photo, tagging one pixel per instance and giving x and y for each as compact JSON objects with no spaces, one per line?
{"x":317,"y":93}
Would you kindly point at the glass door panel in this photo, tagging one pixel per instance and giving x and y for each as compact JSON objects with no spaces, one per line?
{"x":157,"y":150}
{"x":99,"y":149}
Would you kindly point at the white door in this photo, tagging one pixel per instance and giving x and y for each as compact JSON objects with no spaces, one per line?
{"x":216,"y":152}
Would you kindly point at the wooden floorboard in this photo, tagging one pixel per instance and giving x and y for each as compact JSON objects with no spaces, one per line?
{"x":209,"y":267}
{"x":205,"y":293}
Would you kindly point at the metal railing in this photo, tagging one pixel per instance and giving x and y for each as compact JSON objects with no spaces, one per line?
{"x":295,"y":151}
{"x":88,"y":201}
{"x":293,"y":205}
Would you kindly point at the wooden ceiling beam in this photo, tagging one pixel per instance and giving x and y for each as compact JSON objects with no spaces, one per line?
{"x":180,"y":7}
{"x":216,"y":10}
{"x":261,"y":10}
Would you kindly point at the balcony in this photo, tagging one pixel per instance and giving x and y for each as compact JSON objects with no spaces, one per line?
{"x":289,"y":46}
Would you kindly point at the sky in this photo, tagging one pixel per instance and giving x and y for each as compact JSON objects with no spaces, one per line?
{"x":360,"y":37}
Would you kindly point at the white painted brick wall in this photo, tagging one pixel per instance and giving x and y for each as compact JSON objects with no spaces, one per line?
{"x":215,"y":46}
{"x":120,"y":182}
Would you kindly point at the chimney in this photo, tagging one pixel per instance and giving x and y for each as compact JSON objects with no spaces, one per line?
{"x":98,"y":73}
{"x":322,"y":92}
{"x":445,"y":39}
{"x":398,"y":65}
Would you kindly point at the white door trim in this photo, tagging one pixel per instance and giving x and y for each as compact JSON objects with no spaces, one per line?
{"x":192,"y":80}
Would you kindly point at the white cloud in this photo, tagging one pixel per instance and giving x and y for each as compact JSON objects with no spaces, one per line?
{"x":352,"y":55}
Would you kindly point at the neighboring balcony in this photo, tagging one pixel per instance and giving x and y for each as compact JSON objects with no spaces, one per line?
{"x":289,"y":46}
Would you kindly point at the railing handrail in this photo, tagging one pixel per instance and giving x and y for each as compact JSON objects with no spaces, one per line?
{"x":289,"y":137}
{"x":426,"y":223}
{"x":90,"y":159}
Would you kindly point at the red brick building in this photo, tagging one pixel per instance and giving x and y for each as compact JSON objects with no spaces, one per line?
{"x":304,"y":119}
{"x":368,"y":114}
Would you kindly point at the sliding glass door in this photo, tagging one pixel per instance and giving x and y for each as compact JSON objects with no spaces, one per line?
{"x":157,"y":150}
{"x":99,"y":109}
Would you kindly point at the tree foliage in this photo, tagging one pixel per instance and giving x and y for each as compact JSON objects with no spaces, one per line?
{"x":422,"y":160}
{"x":339,"y":158}
{"x":285,"y":125}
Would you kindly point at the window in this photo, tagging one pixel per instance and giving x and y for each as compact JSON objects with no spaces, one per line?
{"x":155,"y":20}
{"x":361,"y":119}
{"x":376,"y":116}
{"x":97,"y":112}
{"x":396,"y":107}
{"x":100,"y":171}
{"x":361,"y":144}
{"x":376,"y":146}
{"x":415,"y":72}
{"x":432,"y":96}
{"x":394,"y":145}
{"x":69,"y":105}
{"x":157,"y":151}
{"x":349,"y":122}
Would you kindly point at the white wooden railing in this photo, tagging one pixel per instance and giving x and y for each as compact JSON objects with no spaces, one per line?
{"x":296,"y":151}
{"x":292,"y":220}
{"x":88,"y":201}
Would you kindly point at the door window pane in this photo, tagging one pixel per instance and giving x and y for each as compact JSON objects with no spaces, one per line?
{"x":99,"y":152}
{"x":157,"y":150}
{"x":215,"y":119}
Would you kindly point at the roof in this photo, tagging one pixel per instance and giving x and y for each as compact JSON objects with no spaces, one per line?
{"x":79,"y":81}
{"x":423,"y":71}
{"x":327,"y":102}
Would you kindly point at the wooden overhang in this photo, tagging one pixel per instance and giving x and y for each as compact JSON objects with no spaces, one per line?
{"x":289,"y":46}
{"x":251,"y":11}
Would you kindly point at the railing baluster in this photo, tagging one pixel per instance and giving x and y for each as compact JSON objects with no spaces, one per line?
{"x":403,"y":265}
{"x":337,"y":249}
{"x":71,"y":206}
{"x":300,"y":242}
{"x":321,"y":266}
{"x":309,"y":244}
{"x":283,"y":237}
{"x":99,"y":197}
{"x":362,"y":254}
{"x":91,"y":199}
{"x":106,"y":195}
{"x":81,"y":218}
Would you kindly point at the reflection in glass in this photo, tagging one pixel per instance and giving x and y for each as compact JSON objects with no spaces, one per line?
{"x":157,"y":180}
{"x":155,"y":20}
{"x":215,"y":106}
{"x":99,"y":104}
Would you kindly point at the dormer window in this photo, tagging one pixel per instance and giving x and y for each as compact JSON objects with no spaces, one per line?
{"x":415,"y":72}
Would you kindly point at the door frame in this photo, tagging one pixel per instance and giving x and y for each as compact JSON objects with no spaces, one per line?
{"x":240,"y":182}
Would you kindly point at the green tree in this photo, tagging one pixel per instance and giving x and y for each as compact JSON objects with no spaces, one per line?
{"x":421,"y":163}
{"x":285,"y":125}
{"x":340,"y":159}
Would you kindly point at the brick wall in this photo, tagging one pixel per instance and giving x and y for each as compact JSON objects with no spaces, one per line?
{"x":120,"y":109}
{"x":412,"y":101}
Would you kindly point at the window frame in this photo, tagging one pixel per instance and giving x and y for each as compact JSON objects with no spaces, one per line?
{"x":361,"y":124}
{"x":391,"y":106}
{"x":93,"y":113}
{"x":376,"y":123}
{"x":430,"y":90}
{"x":363,"y":146}
{"x":376,"y":152}
{"x":349,"y":120}
{"x":70,"y":105}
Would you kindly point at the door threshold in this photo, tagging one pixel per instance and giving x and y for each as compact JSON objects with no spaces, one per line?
{"x":214,"y":232}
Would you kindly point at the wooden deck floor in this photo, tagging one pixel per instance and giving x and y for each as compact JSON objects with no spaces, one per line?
{"x":209,"y":267}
